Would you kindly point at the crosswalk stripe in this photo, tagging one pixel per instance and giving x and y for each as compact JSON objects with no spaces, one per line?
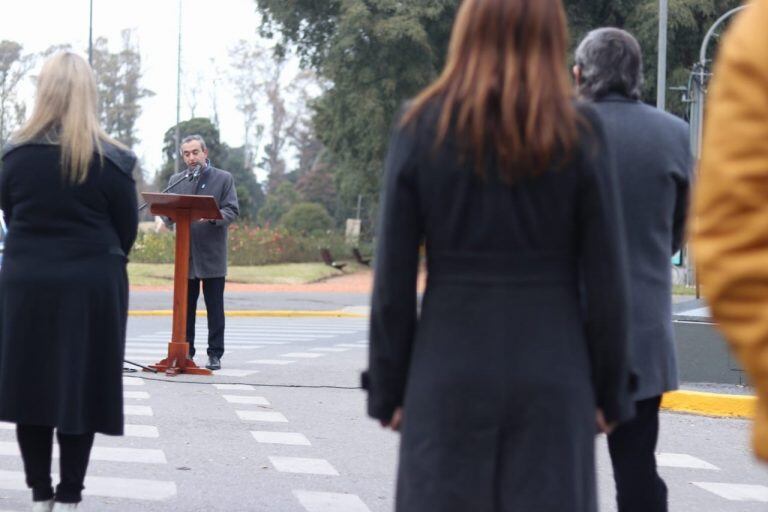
{"x":682,"y":460}
{"x":288,"y":438}
{"x":266,"y":416}
{"x":302,"y":355}
{"x":303,"y":465}
{"x":139,"y":395}
{"x":330,"y":349}
{"x":232,"y":372}
{"x":111,"y":454}
{"x":736,"y":492}
{"x":246,"y":399}
{"x":234,"y":387}
{"x":350,"y":345}
{"x":330,"y":502}
{"x":148,"y":431}
{"x":128,"y":381}
{"x":271,"y":361}
{"x":137,"y":410}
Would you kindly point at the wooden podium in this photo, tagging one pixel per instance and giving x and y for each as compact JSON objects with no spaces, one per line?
{"x":183,"y":210}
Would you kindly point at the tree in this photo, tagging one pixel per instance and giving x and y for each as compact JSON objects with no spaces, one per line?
{"x":14,"y":66}
{"x":249,"y":193}
{"x":278,"y":203}
{"x":317,"y":185}
{"x":378,"y":53}
{"x":118,"y":77}
{"x":375,"y":54}
{"x":307,"y":219}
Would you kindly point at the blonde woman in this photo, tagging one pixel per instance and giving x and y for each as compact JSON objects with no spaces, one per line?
{"x":68,"y":197}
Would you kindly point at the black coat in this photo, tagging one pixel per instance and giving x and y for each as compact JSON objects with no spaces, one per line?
{"x":64,"y":289}
{"x":522,"y":331}
{"x":654,"y":187}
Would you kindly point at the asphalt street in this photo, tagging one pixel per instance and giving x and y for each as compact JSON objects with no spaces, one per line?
{"x":282,"y":429}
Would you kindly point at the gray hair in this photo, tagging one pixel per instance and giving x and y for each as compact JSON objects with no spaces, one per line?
{"x":610,"y":60}
{"x":190,"y":138}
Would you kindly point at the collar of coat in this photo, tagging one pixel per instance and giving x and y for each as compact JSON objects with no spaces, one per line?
{"x":123,"y":158}
{"x":615,"y":97}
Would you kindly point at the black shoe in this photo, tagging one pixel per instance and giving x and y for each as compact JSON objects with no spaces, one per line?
{"x":214,"y":363}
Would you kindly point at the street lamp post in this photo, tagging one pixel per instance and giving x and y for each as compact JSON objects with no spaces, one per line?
{"x":661,"y":70}
{"x":178,"y":93}
{"x":90,"y":34}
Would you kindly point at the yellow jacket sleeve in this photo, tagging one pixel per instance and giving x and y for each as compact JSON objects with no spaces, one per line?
{"x":731,"y":204}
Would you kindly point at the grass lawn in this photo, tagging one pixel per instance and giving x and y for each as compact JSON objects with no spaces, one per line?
{"x":680,"y":289}
{"x":154,"y":274}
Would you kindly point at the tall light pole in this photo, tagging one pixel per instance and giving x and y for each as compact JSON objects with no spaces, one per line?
{"x":178,"y":94}
{"x":661,"y":68}
{"x":90,"y":34}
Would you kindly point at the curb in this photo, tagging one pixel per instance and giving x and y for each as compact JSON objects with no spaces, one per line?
{"x":257,"y":313}
{"x":710,"y":404}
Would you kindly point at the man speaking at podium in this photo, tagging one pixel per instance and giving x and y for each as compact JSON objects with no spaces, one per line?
{"x":208,"y":243}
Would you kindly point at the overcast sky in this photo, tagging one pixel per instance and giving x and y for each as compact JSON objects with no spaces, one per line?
{"x":209,"y":29}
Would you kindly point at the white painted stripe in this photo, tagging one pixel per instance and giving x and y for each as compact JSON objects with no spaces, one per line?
{"x":139,"y":395}
{"x":111,"y":454}
{"x":128,"y":381}
{"x":351,"y":345}
{"x":290,"y":438}
{"x":231,"y":372}
{"x":5,"y":425}
{"x":271,"y":361}
{"x":682,"y":460}
{"x":302,"y":355}
{"x":147,"y":359}
{"x":141,"y":345}
{"x":330,"y":349}
{"x":330,"y":502}
{"x":148,"y":431}
{"x":137,"y":410}
{"x":246,"y":399}
{"x":289,"y":330}
{"x":234,"y":387}
{"x":129,"y":488}
{"x":736,"y":492}
{"x":268,"y":416}
{"x":301,"y":465}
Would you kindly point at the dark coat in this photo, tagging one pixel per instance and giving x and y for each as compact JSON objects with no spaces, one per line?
{"x":652,"y":157}
{"x":64,"y":289}
{"x":208,"y":245}
{"x":501,"y":374}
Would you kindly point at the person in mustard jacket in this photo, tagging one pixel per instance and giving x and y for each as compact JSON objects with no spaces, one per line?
{"x":731,"y":205}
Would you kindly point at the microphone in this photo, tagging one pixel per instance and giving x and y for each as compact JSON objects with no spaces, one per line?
{"x":193,"y":173}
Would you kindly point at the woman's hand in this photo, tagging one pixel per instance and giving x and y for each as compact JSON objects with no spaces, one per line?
{"x":396,"y":420}
{"x":602,"y":425}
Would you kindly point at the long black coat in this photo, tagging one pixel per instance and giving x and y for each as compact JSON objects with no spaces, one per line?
{"x":64,"y":289}
{"x":501,"y":374}
{"x":654,"y":187}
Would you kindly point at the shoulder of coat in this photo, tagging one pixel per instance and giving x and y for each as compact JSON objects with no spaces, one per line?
{"x":124,"y":159}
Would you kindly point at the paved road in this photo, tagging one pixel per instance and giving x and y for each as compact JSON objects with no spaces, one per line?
{"x":281,"y":429}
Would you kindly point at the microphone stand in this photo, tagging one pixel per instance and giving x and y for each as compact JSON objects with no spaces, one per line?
{"x":188,"y":175}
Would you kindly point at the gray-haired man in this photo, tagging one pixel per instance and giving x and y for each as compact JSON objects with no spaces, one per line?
{"x":653,"y":162}
{"x":208,"y":244}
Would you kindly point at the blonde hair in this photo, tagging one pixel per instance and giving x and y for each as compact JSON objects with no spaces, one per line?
{"x":66,"y":106}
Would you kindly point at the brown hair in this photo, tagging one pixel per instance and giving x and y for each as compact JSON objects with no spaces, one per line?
{"x":505,"y":85}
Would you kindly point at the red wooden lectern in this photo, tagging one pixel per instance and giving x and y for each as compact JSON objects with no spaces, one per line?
{"x":184,"y":210}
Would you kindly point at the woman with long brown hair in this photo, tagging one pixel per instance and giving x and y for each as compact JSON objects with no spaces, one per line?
{"x":519,"y":354}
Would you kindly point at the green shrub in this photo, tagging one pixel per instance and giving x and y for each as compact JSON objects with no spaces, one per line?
{"x":153,"y":247}
{"x":307,"y":219}
{"x":249,"y":245}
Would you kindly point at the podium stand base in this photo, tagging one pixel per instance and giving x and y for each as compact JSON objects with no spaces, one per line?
{"x":178,"y":362}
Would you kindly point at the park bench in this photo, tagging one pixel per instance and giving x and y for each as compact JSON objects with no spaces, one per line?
{"x":360,"y":259}
{"x":328,"y":260}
